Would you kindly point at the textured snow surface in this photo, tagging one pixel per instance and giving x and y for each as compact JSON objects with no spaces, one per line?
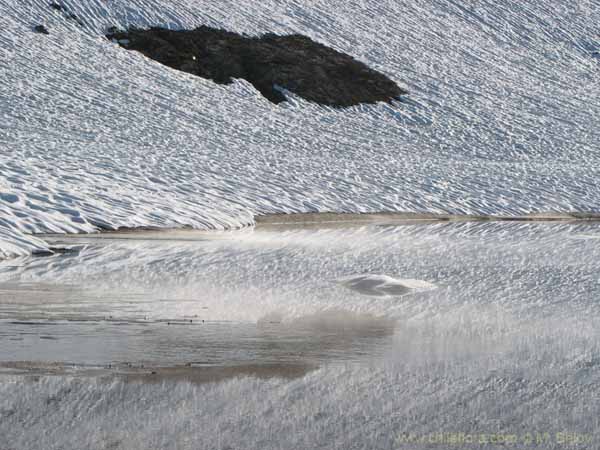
{"x":502,"y":117}
{"x":334,"y":408}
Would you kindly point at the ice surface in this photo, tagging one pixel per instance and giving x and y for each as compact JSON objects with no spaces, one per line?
{"x":507,"y":342}
{"x":247,"y":275}
{"x":502,"y":117}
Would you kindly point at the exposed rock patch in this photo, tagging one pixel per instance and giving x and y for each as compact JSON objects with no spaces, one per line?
{"x":295,"y":63}
{"x":68,"y":14}
{"x":41,"y":29}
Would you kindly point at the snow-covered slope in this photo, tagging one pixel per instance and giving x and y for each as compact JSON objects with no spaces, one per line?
{"x":502,"y":117}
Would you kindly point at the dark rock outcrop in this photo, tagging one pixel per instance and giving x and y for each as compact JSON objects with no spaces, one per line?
{"x":68,"y":14}
{"x":270,"y":62}
{"x":41,"y":29}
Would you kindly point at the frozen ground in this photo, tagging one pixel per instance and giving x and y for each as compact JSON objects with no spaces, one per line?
{"x":502,"y":117}
{"x":499,"y":337}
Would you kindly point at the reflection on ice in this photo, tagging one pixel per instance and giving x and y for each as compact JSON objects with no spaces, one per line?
{"x":311,"y":340}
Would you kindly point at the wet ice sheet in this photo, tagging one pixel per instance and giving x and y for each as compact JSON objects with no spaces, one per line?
{"x":124,"y":345}
{"x":186,"y":296}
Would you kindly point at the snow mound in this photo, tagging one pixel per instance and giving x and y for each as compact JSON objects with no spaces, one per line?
{"x":383,"y":285}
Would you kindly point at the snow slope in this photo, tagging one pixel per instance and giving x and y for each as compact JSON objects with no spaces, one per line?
{"x":502,"y":117}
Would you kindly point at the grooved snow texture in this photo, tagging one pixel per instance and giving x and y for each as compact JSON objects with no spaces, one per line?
{"x":502,"y":116}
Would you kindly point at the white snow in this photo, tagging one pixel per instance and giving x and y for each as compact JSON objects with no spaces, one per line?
{"x":382,"y":285}
{"x":502,"y":117}
{"x":343,"y":407}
